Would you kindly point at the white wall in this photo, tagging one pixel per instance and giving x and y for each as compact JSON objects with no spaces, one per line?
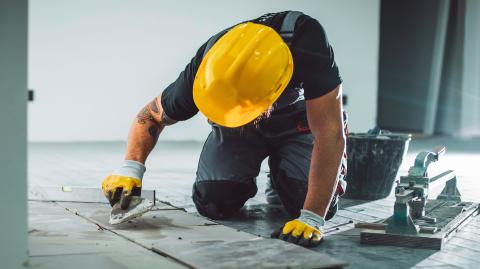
{"x":94,"y":64}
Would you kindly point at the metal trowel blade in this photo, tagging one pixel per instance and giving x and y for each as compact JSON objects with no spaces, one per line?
{"x":138,"y":206}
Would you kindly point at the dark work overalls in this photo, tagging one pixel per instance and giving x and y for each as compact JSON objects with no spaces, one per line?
{"x":231,"y":157}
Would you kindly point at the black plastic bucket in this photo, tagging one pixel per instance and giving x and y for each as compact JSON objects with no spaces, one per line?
{"x":373,"y":162}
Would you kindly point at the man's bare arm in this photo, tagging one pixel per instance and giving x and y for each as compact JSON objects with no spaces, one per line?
{"x":325,"y":119}
{"x":145,"y":130}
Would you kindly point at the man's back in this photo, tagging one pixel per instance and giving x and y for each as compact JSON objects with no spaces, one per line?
{"x":315,"y":72}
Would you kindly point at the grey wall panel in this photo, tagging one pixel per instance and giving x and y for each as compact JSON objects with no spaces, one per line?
{"x":13,"y":152}
{"x":408,"y":47}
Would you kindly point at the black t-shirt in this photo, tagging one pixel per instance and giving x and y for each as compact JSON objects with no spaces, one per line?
{"x":315,"y":72}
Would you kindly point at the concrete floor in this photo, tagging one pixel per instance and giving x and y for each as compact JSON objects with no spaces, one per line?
{"x":171,"y":171}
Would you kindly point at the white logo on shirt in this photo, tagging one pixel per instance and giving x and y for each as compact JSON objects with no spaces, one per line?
{"x":301,"y":95}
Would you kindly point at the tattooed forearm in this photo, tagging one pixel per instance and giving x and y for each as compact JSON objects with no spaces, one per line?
{"x":154,"y":118}
{"x":154,"y":106}
{"x":164,"y":119}
{"x":148,"y":112}
{"x":145,"y":130}
{"x":144,"y":115}
{"x":154,"y":132}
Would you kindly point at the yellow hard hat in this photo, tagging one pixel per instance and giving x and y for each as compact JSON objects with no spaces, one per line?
{"x":242,"y":75}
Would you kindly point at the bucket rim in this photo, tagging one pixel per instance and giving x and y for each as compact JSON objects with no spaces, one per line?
{"x":395,"y":136}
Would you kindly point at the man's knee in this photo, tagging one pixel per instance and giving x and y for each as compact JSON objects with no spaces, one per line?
{"x":219,"y":199}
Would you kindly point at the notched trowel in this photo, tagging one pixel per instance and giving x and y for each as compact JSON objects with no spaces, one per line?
{"x":137,"y":207}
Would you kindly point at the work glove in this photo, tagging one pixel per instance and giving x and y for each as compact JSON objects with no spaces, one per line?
{"x":304,"y":231}
{"x":124,"y":183}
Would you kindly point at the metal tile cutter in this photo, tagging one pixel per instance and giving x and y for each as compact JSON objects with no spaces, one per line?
{"x":416,"y":220}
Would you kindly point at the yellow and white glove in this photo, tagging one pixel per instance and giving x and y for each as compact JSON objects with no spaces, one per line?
{"x":304,"y":231}
{"x":124,"y":183}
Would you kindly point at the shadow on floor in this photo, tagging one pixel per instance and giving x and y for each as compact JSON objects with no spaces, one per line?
{"x":262,"y":220}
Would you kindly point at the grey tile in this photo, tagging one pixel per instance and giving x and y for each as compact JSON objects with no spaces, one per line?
{"x":57,"y":237}
{"x":79,"y":261}
{"x":171,"y":171}
{"x":198,"y":242}
{"x":261,"y":253}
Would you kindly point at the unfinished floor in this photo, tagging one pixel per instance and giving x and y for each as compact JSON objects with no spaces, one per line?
{"x":174,"y":236}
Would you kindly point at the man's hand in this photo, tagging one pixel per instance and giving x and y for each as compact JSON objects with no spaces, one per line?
{"x":121,"y":185}
{"x":304,"y":231}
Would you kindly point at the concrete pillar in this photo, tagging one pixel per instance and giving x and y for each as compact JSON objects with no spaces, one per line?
{"x":13,"y":133}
